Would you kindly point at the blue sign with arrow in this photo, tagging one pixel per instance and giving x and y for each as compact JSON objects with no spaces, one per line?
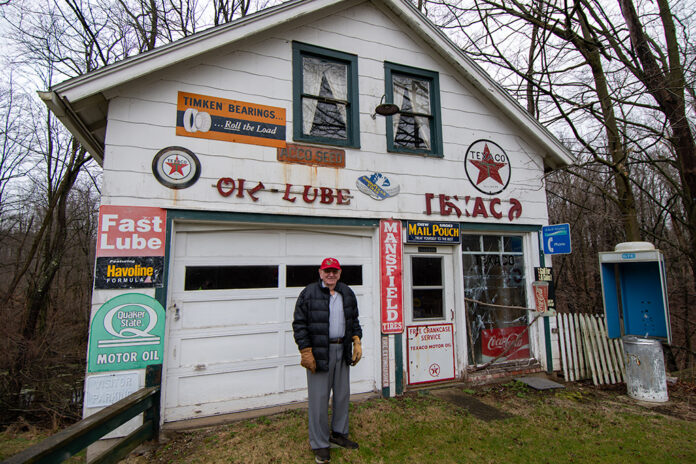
{"x":556,"y":239}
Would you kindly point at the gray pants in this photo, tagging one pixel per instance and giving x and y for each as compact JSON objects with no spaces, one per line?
{"x":320,"y":385}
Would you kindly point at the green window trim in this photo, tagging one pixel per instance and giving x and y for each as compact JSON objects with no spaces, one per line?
{"x":352,"y":122}
{"x":391,"y":69}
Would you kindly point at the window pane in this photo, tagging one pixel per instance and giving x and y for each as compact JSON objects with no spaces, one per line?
{"x":324,"y":79}
{"x":471,"y":242}
{"x":324,"y":119}
{"x":427,"y":303}
{"x":513,"y":244}
{"x":352,"y":275}
{"x":301,"y":276}
{"x":412,"y":96}
{"x":411,"y":131}
{"x":426,"y":271}
{"x":230,"y":277}
{"x":491,"y":243}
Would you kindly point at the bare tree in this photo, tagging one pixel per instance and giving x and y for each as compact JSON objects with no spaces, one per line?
{"x":50,"y":232}
{"x":226,"y":10}
{"x":14,"y":139}
{"x":615,"y":81}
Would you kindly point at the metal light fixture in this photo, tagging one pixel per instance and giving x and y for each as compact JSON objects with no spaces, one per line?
{"x":385,"y":109}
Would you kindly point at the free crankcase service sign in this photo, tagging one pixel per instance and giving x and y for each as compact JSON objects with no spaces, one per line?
{"x":127,"y":332}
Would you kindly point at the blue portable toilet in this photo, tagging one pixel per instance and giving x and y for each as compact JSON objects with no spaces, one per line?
{"x":634,"y":289}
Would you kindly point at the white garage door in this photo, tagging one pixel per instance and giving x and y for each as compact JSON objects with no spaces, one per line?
{"x":232,"y":293}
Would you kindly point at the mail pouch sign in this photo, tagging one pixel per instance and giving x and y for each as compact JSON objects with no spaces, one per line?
{"x":442,"y":233}
{"x":130,"y":247}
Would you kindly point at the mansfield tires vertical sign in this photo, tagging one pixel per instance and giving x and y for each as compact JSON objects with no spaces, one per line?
{"x":391,"y":270}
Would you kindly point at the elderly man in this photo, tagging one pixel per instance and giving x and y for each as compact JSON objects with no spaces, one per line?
{"x":327,"y":333}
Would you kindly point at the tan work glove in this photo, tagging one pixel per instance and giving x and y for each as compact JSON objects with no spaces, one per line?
{"x":308,"y":361}
{"x":357,"y":350}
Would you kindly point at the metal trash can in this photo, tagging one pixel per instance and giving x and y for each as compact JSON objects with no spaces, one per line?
{"x":646,"y":379}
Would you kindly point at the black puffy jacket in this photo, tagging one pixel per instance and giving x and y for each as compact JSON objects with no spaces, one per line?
{"x":311,"y":322}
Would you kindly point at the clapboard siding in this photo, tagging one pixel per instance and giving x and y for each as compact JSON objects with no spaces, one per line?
{"x":154,"y":136}
{"x":142,"y":121}
{"x":413,"y":173}
{"x":413,"y":205}
{"x":150,"y":137}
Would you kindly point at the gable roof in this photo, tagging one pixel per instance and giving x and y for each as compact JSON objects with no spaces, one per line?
{"x":81,"y":102}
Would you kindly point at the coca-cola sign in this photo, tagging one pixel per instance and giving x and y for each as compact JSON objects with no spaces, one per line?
{"x":541,"y":296}
{"x":495,"y":342}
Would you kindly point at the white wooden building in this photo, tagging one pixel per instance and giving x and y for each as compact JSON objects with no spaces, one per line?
{"x":258,"y":141}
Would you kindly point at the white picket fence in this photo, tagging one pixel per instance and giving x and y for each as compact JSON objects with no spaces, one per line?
{"x":587,"y":351}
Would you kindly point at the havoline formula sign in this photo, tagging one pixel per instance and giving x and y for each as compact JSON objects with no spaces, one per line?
{"x":127,"y":332}
{"x":130,"y":247}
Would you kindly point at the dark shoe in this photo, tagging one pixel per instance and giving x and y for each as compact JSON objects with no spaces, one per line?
{"x":342,"y":441}
{"x":322,"y":455}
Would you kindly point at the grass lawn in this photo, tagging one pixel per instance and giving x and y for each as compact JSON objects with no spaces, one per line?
{"x":580,"y":424}
{"x":20,"y":436}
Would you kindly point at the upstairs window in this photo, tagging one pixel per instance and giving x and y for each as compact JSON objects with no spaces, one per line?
{"x":325,"y":94}
{"x":416,"y":128}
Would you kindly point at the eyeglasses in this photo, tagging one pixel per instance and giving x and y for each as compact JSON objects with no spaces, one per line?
{"x":331,"y":271}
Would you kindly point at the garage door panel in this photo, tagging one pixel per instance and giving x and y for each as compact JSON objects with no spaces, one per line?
{"x":230,"y":348}
{"x":236,"y":244}
{"x":289,"y":307}
{"x":289,"y":345}
{"x":223,"y":386}
{"x":233,"y":404}
{"x":295,"y":377}
{"x":228,"y":313}
{"x":322,"y":245}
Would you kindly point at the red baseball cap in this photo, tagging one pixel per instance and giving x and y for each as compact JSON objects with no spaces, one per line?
{"x":330,"y":263}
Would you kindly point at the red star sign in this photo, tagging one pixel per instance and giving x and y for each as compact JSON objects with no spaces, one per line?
{"x":434,"y":370}
{"x":488,"y":167}
{"x":176,"y":166}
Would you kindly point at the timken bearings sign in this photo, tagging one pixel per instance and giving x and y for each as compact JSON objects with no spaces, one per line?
{"x":206,"y":117}
{"x":130,"y":247}
{"x":391,"y":271}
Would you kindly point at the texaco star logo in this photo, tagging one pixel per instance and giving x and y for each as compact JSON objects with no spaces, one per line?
{"x":487,"y":167}
{"x":176,"y":167}
{"x":434,"y":370}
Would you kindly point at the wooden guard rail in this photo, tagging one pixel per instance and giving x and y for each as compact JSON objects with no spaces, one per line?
{"x":79,"y":436}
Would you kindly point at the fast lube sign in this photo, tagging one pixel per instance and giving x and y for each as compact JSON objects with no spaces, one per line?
{"x":127,"y":332}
